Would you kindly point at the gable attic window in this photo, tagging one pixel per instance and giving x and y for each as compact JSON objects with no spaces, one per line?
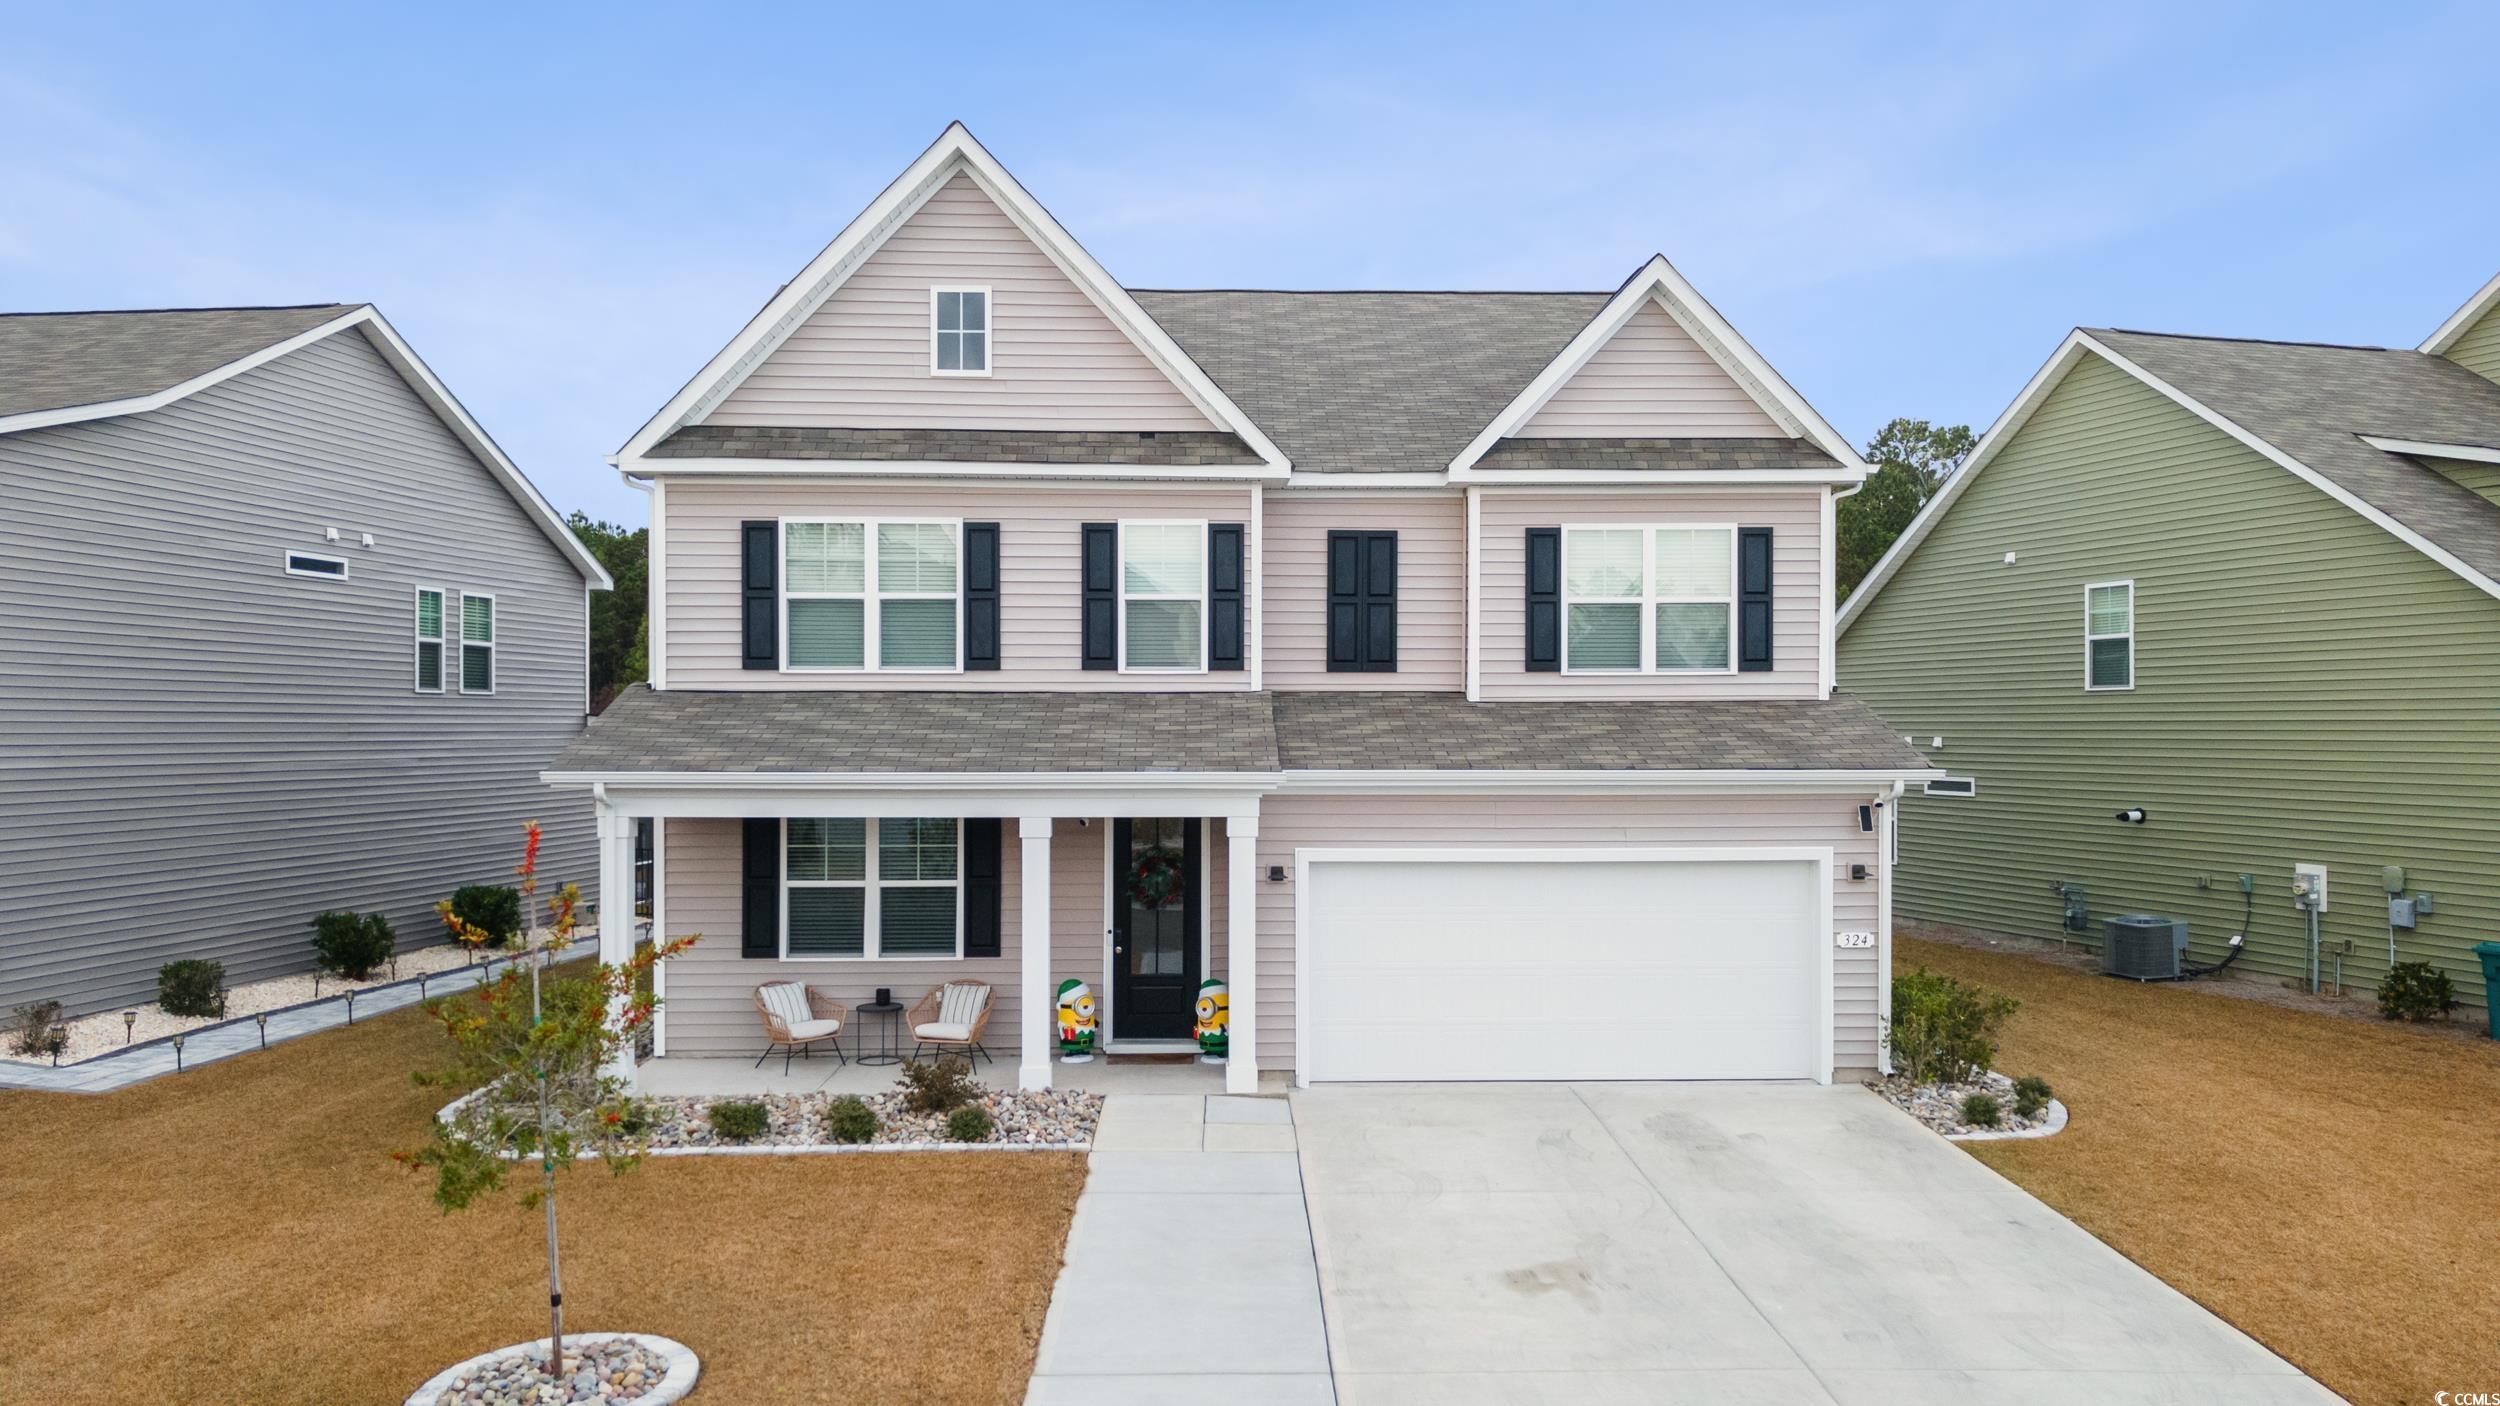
{"x":2109,"y":636}
{"x":309,"y":564}
{"x":959,"y":339}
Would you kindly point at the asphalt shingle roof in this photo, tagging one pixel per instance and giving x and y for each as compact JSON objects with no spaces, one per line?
{"x":969,"y":446}
{"x":853,"y":731}
{"x":2314,"y":403}
{"x":1684,"y":454}
{"x":57,"y":360}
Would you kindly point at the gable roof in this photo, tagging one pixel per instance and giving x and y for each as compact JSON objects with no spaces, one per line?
{"x":63,"y":368}
{"x":2463,"y":319}
{"x":954,"y":153}
{"x":2318,"y":410}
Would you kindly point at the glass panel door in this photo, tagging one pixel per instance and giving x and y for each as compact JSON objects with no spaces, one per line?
{"x":1155,"y":928}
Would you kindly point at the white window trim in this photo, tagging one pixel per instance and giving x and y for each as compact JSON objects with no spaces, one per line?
{"x":1649,"y":600}
{"x":1119,"y":567}
{"x":871,"y":910}
{"x":869,"y":595}
{"x":494,"y":669}
{"x":989,"y":327}
{"x":288,"y":558}
{"x":2090,"y":639}
{"x":416,"y":627}
{"x":1964,"y":787}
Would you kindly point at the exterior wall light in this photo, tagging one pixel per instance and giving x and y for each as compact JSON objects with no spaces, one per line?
{"x":2133,"y":815}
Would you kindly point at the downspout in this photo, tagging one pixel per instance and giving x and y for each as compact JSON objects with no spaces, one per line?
{"x":1887,"y":841}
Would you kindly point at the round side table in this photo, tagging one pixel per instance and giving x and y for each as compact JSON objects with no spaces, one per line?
{"x":890,"y":1026}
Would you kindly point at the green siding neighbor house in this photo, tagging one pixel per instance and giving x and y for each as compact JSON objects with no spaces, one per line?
{"x":2252,"y":589}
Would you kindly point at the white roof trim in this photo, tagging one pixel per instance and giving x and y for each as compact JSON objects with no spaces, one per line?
{"x":954,"y":151}
{"x":952,"y":468}
{"x":2426,"y":449}
{"x":2438,"y":342}
{"x":1657,"y":281}
{"x":421,"y":378}
{"x":2077,"y":344}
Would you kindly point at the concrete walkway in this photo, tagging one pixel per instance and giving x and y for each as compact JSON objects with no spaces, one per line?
{"x":1189,"y":1274}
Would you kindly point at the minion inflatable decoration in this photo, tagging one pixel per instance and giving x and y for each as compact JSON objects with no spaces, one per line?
{"x":1215,"y":1018}
{"x":1076,"y":1021}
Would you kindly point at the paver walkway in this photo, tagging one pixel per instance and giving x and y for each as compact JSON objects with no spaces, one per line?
{"x":1189,"y":1274}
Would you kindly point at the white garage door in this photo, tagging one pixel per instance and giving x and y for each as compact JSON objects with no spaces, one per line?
{"x":1523,"y":968}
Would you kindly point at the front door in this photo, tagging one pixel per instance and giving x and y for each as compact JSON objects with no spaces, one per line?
{"x":1154,"y":929}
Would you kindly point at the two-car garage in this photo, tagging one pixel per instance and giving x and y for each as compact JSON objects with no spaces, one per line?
{"x":1581,"y":964}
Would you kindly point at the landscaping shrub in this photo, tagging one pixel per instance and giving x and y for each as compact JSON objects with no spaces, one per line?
{"x":2416,"y":991}
{"x":1981,"y":1110}
{"x":1944,"y":1030}
{"x":192,"y":986}
{"x":850,"y":1119}
{"x":353,"y":945}
{"x":939,"y":1087}
{"x":37,"y":1031}
{"x":494,"y":909}
{"x":970,"y":1123}
{"x":2031,"y":1096}
{"x":741,"y":1121}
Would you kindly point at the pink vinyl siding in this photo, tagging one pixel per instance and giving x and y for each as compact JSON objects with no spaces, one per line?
{"x":1794,"y":516}
{"x":710,"y":1003}
{"x":1040,"y":594}
{"x":1432,"y":587}
{"x":1651,"y":380}
{"x":862,"y":359}
{"x":1288,"y":823}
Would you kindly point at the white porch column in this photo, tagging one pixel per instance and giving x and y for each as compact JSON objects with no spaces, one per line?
{"x":1241,"y":952}
{"x":616,"y":917}
{"x":1035,"y":1016}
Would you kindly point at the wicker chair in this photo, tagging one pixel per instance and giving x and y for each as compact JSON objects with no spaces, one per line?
{"x":798,"y":1018}
{"x":936,"y":1026}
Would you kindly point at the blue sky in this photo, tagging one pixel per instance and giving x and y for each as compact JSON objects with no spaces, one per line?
{"x":569,"y":209}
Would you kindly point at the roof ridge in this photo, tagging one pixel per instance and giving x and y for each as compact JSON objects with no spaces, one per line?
{"x":239,"y":307}
{"x":2249,"y":341}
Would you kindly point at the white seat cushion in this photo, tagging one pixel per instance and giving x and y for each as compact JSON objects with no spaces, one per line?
{"x":788,"y":1003}
{"x":961,"y":1003}
{"x":812,"y":1029}
{"x":952,"y":1032}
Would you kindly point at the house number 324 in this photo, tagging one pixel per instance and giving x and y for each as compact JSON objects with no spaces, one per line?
{"x":1855,"y":939}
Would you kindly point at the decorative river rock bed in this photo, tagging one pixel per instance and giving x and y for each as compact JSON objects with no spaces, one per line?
{"x":1018,"y":1118}
{"x":598,"y":1367}
{"x":1939,"y":1106}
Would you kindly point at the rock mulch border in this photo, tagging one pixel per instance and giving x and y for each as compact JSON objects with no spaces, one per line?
{"x":681,"y":1369}
{"x":1938,"y":1106}
{"x":1058,"y":1120}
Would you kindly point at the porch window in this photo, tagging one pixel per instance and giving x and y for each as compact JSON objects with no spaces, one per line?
{"x":429,"y":641}
{"x":1163,"y":589}
{"x":872,"y":888}
{"x":1649,"y":599}
{"x":477,"y":644}
{"x":857,"y":591}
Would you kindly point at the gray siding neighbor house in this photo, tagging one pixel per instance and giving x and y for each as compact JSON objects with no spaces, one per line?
{"x":281,"y":630}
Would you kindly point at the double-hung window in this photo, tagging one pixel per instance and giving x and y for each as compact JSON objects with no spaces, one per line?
{"x":2109,"y":636}
{"x":856,"y":592}
{"x":1163,"y":597}
{"x":1649,"y":599}
{"x":959,"y":331}
{"x":477,"y":643}
{"x":872,"y":888}
{"x":429,"y":640}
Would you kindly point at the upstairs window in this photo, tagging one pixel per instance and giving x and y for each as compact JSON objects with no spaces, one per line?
{"x":1648,"y":599}
{"x":477,"y":644}
{"x":884,"y":591}
{"x":2109,"y":636}
{"x":429,"y":641}
{"x":960,"y":331}
{"x":1163,"y":591}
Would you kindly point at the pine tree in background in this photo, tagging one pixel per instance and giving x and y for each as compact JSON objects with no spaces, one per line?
{"x":1912,"y":460}
{"x":620,"y":619}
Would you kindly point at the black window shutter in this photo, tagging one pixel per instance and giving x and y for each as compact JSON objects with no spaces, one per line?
{"x":980,"y":595}
{"x":1100,"y":573}
{"x":1224,"y":596}
{"x":759,"y":930}
{"x":760,"y":572}
{"x":984,"y":891}
{"x":1362,"y":602}
{"x":1545,"y":600}
{"x":1753,"y":599}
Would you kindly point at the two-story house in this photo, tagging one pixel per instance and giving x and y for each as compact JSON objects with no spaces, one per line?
{"x":1450,"y":674}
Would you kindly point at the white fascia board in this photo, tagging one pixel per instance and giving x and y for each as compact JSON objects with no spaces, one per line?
{"x":726,"y":795}
{"x":946,"y":468}
{"x":2446,"y":336}
{"x":1340,"y":482}
{"x":1658,"y":281}
{"x":954,"y":151}
{"x":2426,"y":449}
{"x":1571,"y":783}
{"x":1634,"y":478}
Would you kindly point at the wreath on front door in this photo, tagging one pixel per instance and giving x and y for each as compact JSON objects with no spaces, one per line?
{"x":1156,"y":877}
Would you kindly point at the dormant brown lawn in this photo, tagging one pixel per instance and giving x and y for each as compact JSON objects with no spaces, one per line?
{"x":2330,"y":1186}
{"x":239,"y":1234}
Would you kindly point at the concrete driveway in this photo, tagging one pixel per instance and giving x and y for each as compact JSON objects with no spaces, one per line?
{"x":1602,"y":1244}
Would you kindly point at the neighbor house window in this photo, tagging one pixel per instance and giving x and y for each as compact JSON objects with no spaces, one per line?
{"x":429,"y":641}
{"x":2109,"y":635}
{"x":1650,"y":599}
{"x":309,"y":564}
{"x":477,"y":644}
{"x":1163,"y":589}
{"x":1952,"y":786}
{"x":872,"y":888}
{"x":960,"y":331}
{"x":883,"y":591}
